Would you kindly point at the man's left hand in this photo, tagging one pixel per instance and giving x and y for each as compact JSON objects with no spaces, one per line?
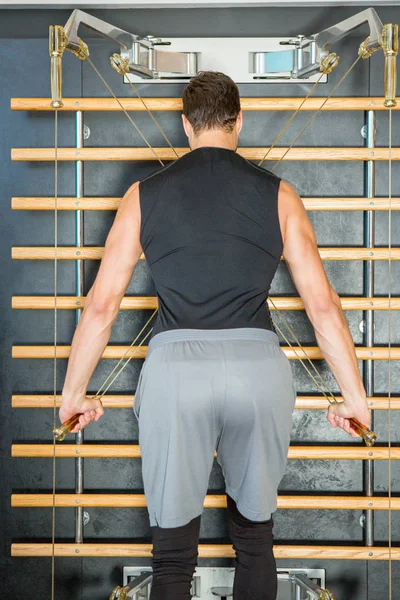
{"x":91,"y":410}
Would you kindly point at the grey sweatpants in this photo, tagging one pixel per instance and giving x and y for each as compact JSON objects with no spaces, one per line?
{"x":229,"y":390}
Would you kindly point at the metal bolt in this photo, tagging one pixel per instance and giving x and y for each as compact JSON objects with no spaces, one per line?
{"x":77,"y":550}
{"x":371,"y":353}
{"x":78,"y":303}
{"x":364,"y":131}
{"x":362,"y":324}
{"x":372,"y":103}
{"x":372,"y":153}
{"x":370,"y":554}
{"x":371,"y":253}
{"x":77,"y":203}
{"x":371,"y":303}
{"x":78,"y":153}
{"x":372,"y":203}
{"x":370,"y":503}
{"x":370,"y":403}
{"x":77,"y":103}
{"x":370,"y":453}
{"x":77,"y":501}
{"x":77,"y":451}
{"x":78,"y":253}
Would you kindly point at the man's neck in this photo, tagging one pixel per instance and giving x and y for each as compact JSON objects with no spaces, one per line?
{"x":212,"y":139}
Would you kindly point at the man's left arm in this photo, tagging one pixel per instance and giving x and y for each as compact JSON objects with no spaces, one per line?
{"x":121,"y":253}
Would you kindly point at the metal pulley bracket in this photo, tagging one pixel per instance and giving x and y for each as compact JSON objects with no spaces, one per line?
{"x":141,"y":53}
{"x":309,"y":52}
{"x":245,"y":60}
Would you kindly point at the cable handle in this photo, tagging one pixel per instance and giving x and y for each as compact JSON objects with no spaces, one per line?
{"x":60,"y":432}
{"x":368,"y":436}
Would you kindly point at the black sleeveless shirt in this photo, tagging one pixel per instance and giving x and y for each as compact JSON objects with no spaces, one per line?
{"x":211,"y":237}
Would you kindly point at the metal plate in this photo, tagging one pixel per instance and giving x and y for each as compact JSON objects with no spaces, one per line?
{"x":206,"y":578}
{"x":233,"y":56}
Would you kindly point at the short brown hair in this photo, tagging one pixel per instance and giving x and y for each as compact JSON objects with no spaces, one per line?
{"x":211,"y":101}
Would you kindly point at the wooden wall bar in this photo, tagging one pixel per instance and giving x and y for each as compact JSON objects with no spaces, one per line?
{"x":206,"y":551}
{"x":71,"y":203}
{"x":96,"y":253}
{"x":319,"y":502}
{"x":166,"y":153}
{"x":126,"y":401}
{"x":175,"y":104}
{"x":313,"y":352}
{"x":354,"y":452}
{"x":150,"y":303}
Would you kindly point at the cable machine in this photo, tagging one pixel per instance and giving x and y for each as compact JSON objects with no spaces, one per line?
{"x":247,"y":60}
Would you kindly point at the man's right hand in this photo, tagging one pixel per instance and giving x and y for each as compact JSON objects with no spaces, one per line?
{"x":340,"y":413}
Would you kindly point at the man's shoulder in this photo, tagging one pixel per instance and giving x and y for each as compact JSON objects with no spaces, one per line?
{"x":263,"y":172}
{"x":160,"y":173}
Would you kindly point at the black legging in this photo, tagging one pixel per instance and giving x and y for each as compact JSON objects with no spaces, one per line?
{"x":175,"y":552}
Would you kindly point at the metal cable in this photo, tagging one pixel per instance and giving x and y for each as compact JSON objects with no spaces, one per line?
{"x":280,"y":134}
{"x":100,"y":393}
{"x":302,"y":362}
{"x":278,"y":312}
{"x":282,"y":318}
{"x":126,"y":112}
{"x":332,"y":399}
{"x":53,"y":524}
{"x":153,"y":117}
{"x":389,"y":352}
{"x":316,"y":112}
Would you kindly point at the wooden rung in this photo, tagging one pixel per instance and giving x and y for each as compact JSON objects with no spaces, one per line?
{"x":126,"y":401}
{"x":150,"y":302}
{"x":63,"y":253}
{"x":313,"y":352}
{"x":175,"y":104}
{"x":317,"y":502}
{"x":74,"y":302}
{"x":71,"y":203}
{"x":166,"y":153}
{"x":64,"y":450}
{"x":206,"y":551}
{"x":64,"y":351}
{"x":96,"y":253}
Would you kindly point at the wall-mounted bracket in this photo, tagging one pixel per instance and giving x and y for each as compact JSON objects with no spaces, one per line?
{"x":141,"y":53}
{"x":309,"y":52}
{"x":246,"y":60}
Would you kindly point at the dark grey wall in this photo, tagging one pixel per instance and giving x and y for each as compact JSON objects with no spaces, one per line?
{"x":24,"y":72}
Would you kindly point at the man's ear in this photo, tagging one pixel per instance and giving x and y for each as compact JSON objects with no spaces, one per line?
{"x":185,"y":124}
{"x":239,"y":122}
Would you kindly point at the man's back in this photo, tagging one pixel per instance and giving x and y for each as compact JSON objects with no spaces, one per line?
{"x":210,"y":233}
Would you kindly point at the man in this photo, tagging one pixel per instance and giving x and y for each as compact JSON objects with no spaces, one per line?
{"x":213,"y":227}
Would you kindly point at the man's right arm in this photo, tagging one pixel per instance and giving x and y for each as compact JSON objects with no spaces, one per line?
{"x":323,"y":308}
